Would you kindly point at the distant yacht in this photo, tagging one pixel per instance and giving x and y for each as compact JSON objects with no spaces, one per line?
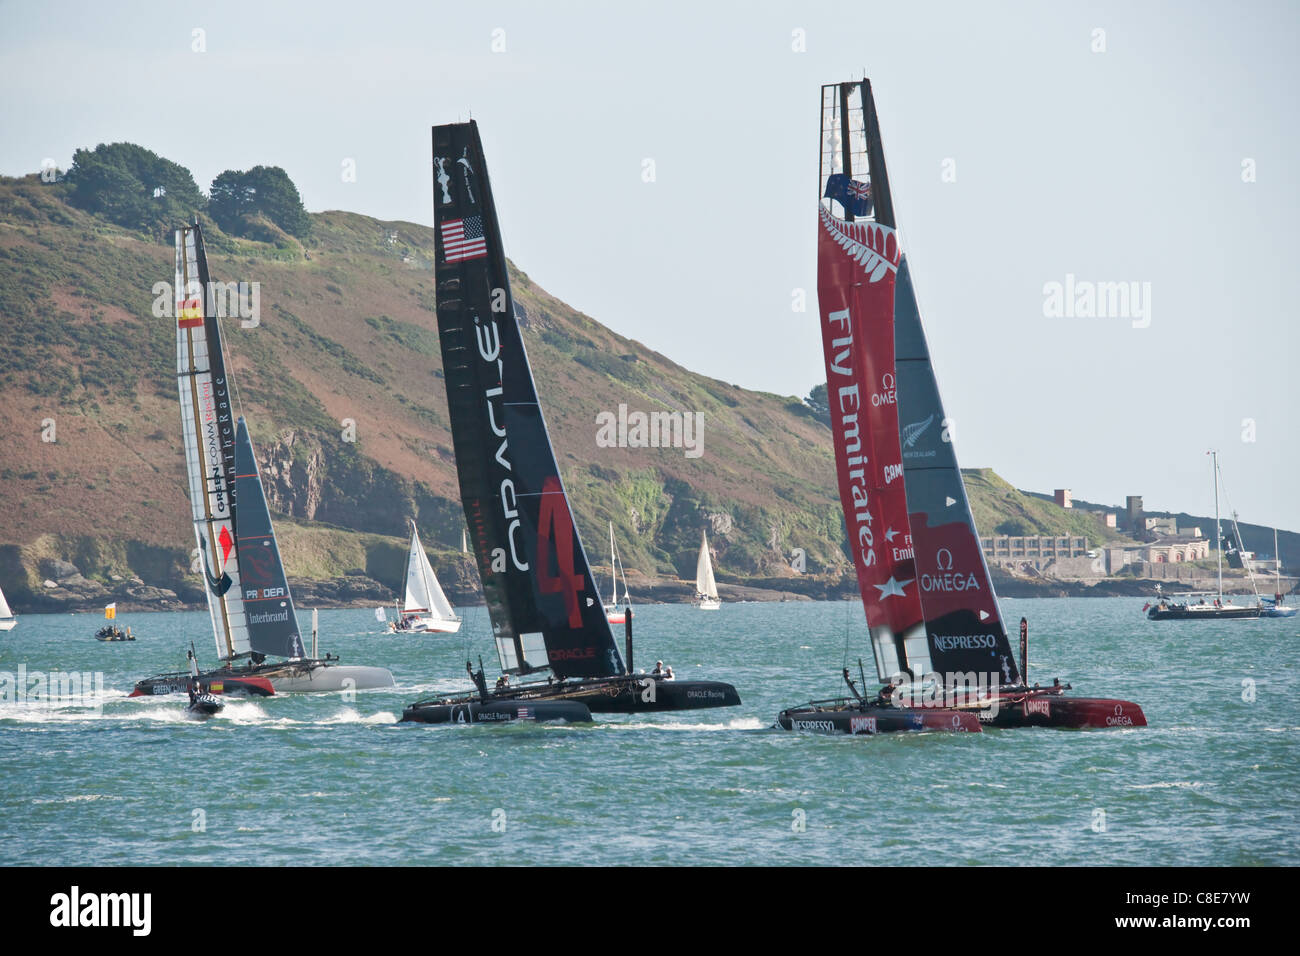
{"x":1275,"y":608}
{"x":612,"y":612}
{"x":1216,"y":608}
{"x":7,"y":620}
{"x":706,"y":588}
{"x":425,"y":609}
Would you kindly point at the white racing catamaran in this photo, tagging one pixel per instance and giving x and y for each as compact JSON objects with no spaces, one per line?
{"x":253,"y":619}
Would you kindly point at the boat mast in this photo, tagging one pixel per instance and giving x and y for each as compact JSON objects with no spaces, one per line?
{"x":1277,"y":571}
{"x":846,"y":144}
{"x":1218,"y":532}
{"x":613,"y":570}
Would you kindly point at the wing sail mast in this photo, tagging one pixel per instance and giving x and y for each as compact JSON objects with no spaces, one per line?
{"x":208,"y":435}
{"x":541,"y":596}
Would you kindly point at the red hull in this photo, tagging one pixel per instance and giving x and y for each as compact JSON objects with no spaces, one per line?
{"x":1046,"y":709}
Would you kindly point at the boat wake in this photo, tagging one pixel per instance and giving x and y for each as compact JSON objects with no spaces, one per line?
{"x":740,"y":723}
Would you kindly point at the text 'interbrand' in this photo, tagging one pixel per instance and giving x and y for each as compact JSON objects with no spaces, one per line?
{"x":683,"y":430}
{"x":1084,"y":299}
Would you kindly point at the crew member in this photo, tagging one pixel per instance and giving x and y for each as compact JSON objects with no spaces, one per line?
{"x":659,"y":669}
{"x":852,"y":687}
{"x":886,"y":693}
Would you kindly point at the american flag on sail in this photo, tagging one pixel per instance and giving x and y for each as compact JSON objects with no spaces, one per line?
{"x":463,"y":239}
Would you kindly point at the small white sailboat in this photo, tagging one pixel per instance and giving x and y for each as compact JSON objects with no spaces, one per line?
{"x":7,"y":620}
{"x":425,"y":609}
{"x":612,"y":613}
{"x":706,"y":588}
{"x":1276,"y":608}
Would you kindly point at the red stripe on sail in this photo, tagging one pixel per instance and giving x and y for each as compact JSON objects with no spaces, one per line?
{"x":856,"y":268}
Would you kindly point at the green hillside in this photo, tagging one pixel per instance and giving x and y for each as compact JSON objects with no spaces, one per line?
{"x":347,"y":347}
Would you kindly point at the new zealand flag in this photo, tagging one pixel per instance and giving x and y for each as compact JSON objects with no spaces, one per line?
{"x":849,"y":193}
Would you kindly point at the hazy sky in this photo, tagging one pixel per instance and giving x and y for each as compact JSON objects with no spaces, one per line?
{"x":1124,"y":165}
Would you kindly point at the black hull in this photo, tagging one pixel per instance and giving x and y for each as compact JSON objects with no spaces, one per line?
{"x":849,"y":717}
{"x":204,"y":707}
{"x":602,"y":695}
{"x":644,"y":694}
{"x":496,"y":712}
{"x":1215,"y":614}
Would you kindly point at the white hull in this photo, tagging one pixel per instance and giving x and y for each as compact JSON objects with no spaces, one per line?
{"x":334,"y":677}
{"x":707,"y":605}
{"x":9,"y":625}
{"x":428,"y":625}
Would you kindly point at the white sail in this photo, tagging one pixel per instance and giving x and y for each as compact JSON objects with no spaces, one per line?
{"x":423,"y":593}
{"x":704,"y":582}
{"x":5,"y":611}
{"x":208,"y":435}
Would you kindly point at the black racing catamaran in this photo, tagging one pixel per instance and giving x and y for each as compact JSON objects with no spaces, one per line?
{"x":544,"y":605}
{"x":252,"y":611}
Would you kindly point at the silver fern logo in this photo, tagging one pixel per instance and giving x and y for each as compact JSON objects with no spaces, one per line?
{"x":875,"y":247}
{"x":912,"y":433}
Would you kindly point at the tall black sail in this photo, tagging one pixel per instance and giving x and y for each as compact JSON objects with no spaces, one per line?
{"x":962,"y":621}
{"x":268,"y":605}
{"x":543,"y":601}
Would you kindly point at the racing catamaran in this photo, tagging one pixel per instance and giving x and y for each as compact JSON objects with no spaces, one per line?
{"x":942,"y":644}
{"x":543,"y":602}
{"x":249,"y":602}
{"x":857,"y":263}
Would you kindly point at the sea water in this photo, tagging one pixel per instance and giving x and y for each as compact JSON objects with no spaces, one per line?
{"x":334,"y":779}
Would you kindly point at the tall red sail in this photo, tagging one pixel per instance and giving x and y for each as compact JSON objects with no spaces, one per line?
{"x":857,"y":265}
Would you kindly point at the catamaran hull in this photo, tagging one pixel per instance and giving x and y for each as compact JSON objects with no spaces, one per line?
{"x":1065,"y":713}
{"x":211,"y":683}
{"x":642,"y":694}
{"x":295,"y":677}
{"x":877,"y":720}
{"x":427,"y":627}
{"x":1209,"y":614}
{"x":496,"y":712}
{"x":8,"y":625}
